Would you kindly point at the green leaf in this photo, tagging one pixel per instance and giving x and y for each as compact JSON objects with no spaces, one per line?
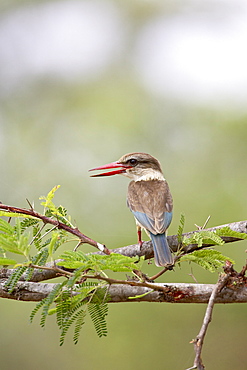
{"x":28,"y":222}
{"x":14,"y":278}
{"x":181,"y":229}
{"x":49,"y":197}
{"x":23,"y":244}
{"x":80,"y":320}
{"x":203,"y":237}
{"x":98,"y":313}
{"x":5,"y":227}
{"x":7,"y":261}
{"x":114,"y":262}
{"x":52,"y":311}
{"x":209,"y":259}
{"x":48,"y":301}
{"x":12,"y":239}
{"x":54,"y":239}
{"x":141,"y":295}
{"x":9,"y":244}
{"x":49,"y":204}
{"x":227,"y":231}
{"x":14,"y":214}
{"x":79,"y":315}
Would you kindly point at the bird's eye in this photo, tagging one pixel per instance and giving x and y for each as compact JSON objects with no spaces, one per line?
{"x":133,"y":161}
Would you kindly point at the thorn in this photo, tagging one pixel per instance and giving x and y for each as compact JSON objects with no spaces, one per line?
{"x":77,"y":246}
{"x":205,"y":224}
{"x":30,"y":205}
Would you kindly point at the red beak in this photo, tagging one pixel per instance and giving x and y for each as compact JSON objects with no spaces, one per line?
{"x":121,"y":169}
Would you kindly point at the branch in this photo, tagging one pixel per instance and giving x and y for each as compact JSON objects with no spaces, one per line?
{"x":145,"y":292}
{"x":60,"y":225}
{"x":147,"y":248}
{"x":27,"y":291}
{"x":198,"y":342}
{"x":129,"y":250}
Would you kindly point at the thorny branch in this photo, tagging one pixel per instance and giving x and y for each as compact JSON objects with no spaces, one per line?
{"x":60,"y":225}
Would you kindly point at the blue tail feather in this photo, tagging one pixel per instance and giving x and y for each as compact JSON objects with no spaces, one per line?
{"x":162,"y":252}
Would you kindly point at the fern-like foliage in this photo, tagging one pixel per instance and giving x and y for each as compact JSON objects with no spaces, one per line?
{"x":46,"y":303}
{"x":12,"y":239}
{"x":114,"y":262}
{"x":70,"y":311}
{"x":51,"y":210}
{"x":79,"y":321}
{"x":181,"y":230}
{"x":6,"y":228}
{"x":203,"y":237}
{"x":98,"y":313}
{"x":14,"y":278}
{"x":227,"y":232}
{"x":98,"y":310}
{"x":209,"y":259}
{"x":36,"y":309}
{"x":70,"y":308}
{"x":27,"y":223}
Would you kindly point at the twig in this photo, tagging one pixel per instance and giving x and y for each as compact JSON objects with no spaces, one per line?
{"x":198,"y":342}
{"x":38,"y":233}
{"x":60,"y":225}
{"x":166,"y":268}
{"x":54,"y":268}
{"x":129,"y":282}
{"x":45,"y":234}
{"x":159,"y":273}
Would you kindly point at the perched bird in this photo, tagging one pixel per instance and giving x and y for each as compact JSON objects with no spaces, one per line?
{"x":149,"y":199}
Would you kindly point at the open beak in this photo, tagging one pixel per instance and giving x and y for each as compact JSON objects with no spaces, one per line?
{"x":121,"y":169}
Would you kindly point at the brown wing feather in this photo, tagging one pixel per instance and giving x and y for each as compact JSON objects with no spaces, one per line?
{"x":152,"y":198}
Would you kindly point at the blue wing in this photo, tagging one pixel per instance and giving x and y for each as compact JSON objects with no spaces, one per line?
{"x":162,"y":253}
{"x":154,"y":226}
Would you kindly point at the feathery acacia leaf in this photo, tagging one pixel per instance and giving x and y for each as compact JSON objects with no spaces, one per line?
{"x":226,"y":231}
{"x":98,"y":313}
{"x":7,"y":262}
{"x":203,"y":237}
{"x":114,"y":262}
{"x":14,"y":278}
{"x":209,"y":259}
{"x":181,"y":229}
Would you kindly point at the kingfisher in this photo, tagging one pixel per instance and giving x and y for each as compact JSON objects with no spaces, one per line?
{"x":149,"y":199}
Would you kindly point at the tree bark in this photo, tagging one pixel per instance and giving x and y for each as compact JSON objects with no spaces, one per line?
{"x":169,"y":292}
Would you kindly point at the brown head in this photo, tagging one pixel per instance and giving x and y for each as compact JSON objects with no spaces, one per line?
{"x":137,"y":166}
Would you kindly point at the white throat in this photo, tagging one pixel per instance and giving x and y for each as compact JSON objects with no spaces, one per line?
{"x":146,"y":175}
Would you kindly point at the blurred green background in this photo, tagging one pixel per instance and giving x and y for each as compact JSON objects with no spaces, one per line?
{"x":79,"y":88}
